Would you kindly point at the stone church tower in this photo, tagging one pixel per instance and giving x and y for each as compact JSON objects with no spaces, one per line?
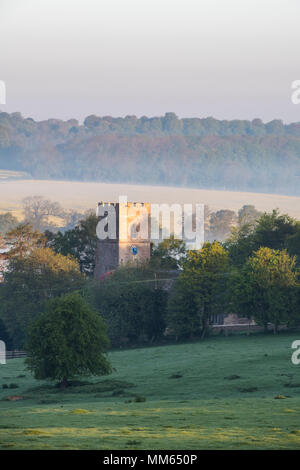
{"x":123,"y":235}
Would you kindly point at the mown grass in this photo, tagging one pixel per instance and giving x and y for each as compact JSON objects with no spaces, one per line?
{"x":223,"y":393}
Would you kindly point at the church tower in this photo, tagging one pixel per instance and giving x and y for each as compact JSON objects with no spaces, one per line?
{"x":123,"y":235}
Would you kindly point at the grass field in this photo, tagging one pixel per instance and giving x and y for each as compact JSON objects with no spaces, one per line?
{"x":217,"y":394}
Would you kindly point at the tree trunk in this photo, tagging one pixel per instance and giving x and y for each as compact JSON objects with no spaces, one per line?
{"x":275,"y":328}
{"x":204,"y":329}
{"x":265,"y":327}
{"x":63,"y":384}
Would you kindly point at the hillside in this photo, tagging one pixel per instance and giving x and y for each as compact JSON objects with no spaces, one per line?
{"x":81,"y":196}
{"x":217,"y":394}
{"x":198,"y":153}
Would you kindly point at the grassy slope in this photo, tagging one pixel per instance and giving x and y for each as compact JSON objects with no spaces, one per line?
{"x":200,"y":410}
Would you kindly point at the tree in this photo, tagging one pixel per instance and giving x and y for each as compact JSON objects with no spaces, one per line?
{"x":2,"y":255}
{"x":248,"y":215}
{"x":67,"y":340}
{"x":221,"y":224}
{"x":22,"y":240}
{"x":80,"y":243}
{"x":292,"y":243}
{"x":72,"y":218}
{"x":183,"y":319}
{"x":168,"y":254}
{"x":38,"y":210}
{"x":271,"y":230}
{"x":7,"y":222}
{"x":240,"y":244}
{"x":2,"y":245}
{"x":133,"y":304}
{"x":206,"y":153}
{"x":199,"y":289}
{"x":31,"y":280}
{"x":4,"y":335}
{"x":267,"y":288}
{"x":171,"y":124}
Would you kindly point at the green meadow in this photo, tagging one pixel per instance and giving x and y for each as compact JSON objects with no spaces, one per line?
{"x":235,"y":392}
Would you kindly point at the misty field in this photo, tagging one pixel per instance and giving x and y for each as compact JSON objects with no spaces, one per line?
{"x":233,"y":392}
{"x":83,"y":195}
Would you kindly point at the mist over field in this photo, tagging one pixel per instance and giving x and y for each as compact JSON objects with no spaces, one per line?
{"x":84,"y":195}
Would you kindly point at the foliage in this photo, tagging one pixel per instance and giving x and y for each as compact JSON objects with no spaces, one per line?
{"x":221,"y":224}
{"x":272,"y":230}
{"x":133,"y":306}
{"x":2,"y":249}
{"x":292,"y":242}
{"x":183,"y":319}
{"x":79,"y":242}
{"x":22,"y":240}
{"x":4,"y":335}
{"x":200,"y":286}
{"x":67,"y":340}
{"x":38,"y":212}
{"x":168,"y":254}
{"x":240,"y":244}
{"x":248,"y":214}
{"x":194,"y":152}
{"x":29,"y":282}
{"x":267,"y":288}
{"x":7,"y":222}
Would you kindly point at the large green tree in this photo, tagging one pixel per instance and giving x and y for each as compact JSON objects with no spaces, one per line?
{"x":197,"y":294}
{"x":272,"y":230}
{"x":133,"y":303}
{"x":67,"y":340}
{"x":267,"y":288}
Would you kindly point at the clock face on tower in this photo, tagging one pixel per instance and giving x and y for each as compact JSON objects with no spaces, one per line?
{"x":134,"y":250}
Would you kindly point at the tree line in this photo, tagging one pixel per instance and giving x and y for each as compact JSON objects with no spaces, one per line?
{"x":193,"y":152}
{"x":47,"y":215}
{"x":254,"y":273}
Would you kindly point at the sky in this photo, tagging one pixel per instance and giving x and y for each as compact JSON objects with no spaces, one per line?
{"x":230,"y":59}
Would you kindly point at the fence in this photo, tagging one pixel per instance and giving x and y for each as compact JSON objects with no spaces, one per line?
{"x":15,"y":354}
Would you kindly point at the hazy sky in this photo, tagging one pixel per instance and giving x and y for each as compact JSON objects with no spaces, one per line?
{"x":222,"y":58}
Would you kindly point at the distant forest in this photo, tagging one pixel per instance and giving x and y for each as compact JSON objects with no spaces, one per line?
{"x":199,"y":153}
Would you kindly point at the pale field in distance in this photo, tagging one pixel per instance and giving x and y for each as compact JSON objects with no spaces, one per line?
{"x":82,"y":195}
